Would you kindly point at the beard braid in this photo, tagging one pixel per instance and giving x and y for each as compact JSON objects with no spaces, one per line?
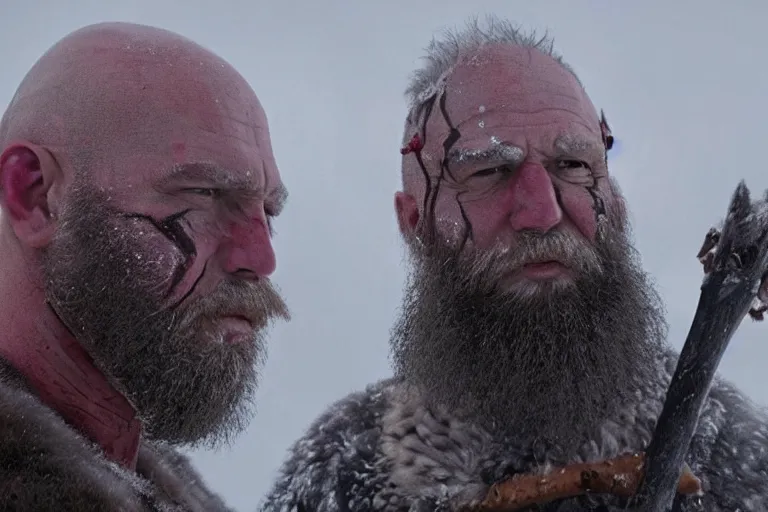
{"x":186,"y":386}
{"x":541,"y":364}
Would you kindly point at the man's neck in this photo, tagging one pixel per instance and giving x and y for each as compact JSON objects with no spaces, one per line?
{"x":65,"y":379}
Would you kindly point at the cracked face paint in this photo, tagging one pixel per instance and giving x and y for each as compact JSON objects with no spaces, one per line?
{"x":515,"y":146}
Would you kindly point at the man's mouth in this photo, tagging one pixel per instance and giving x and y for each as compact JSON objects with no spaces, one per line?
{"x":235,"y":327}
{"x":543,"y":269}
{"x":239,"y":317}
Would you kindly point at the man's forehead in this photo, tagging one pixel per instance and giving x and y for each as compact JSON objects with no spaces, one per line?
{"x":518,"y":79}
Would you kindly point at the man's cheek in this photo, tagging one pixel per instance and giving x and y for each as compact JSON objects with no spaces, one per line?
{"x":154,"y":260}
{"x":489,"y":215}
{"x":581,"y":208}
{"x":458,"y":216}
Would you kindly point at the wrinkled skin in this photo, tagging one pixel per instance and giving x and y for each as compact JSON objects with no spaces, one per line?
{"x":526,"y":100}
{"x":139,"y":186}
{"x":198,"y":361}
{"x":513,"y":259}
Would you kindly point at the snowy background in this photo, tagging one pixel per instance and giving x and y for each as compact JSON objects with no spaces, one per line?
{"x":683,"y":85}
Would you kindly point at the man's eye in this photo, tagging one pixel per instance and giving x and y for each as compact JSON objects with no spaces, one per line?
{"x":572,"y":164}
{"x":208,"y":192}
{"x":492,"y":170}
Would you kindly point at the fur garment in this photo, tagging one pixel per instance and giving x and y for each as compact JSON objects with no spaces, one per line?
{"x":383,"y":449}
{"x":45,"y":465}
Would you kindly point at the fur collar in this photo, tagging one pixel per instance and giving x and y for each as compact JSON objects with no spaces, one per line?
{"x":47,"y":465}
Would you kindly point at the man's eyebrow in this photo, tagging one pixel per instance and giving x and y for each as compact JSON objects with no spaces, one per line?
{"x":277,"y":198}
{"x":570,"y":144}
{"x":498,"y":153}
{"x":210,"y":173}
{"x":221,"y":177}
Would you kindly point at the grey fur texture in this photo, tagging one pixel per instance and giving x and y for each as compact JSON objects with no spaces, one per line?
{"x":47,"y":466}
{"x":383,"y":449}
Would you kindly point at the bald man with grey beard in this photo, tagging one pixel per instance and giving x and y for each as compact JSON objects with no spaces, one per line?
{"x":529,"y":337}
{"x":138,"y":190}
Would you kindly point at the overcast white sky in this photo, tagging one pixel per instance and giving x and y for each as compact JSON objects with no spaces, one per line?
{"x":683,"y":85}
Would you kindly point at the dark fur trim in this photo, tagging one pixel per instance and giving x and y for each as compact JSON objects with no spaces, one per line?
{"x":47,"y":466}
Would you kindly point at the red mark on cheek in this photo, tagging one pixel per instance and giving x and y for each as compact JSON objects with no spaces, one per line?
{"x":179,"y":152}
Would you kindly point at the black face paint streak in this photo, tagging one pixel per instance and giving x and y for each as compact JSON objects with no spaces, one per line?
{"x":558,"y":196}
{"x":453,"y":136}
{"x":467,"y":223}
{"x":170,"y":227}
{"x":606,"y":134}
{"x":427,"y":182}
{"x":193,"y":287}
{"x":598,"y":204}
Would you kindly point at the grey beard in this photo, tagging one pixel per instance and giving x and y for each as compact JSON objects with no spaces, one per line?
{"x":186,"y":386}
{"x":547,"y":367}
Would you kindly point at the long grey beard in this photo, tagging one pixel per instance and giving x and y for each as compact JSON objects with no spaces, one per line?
{"x":546,"y":367}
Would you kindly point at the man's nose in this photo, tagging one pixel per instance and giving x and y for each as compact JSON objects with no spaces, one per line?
{"x":249,"y":252}
{"x":534,"y":203}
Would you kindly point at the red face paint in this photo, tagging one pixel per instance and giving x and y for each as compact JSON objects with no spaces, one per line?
{"x":413,"y":146}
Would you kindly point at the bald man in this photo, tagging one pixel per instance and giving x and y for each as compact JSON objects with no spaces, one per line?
{"x":138,"y":190}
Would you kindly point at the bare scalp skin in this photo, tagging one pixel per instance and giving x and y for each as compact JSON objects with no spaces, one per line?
{"x":138,"y":191}
{"x":529,"y":336}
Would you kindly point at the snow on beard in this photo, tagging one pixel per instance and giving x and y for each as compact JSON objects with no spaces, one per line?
{"x":107,"y":277}
{"x":546,"y":365}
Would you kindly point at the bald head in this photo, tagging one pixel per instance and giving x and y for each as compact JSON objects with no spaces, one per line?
{"x":113,"y":89}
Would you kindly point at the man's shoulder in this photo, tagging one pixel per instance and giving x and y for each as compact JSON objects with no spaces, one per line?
{"x":356,"y":413}
{"x":47,"y":465}
{"x":731,"y":448}
{"x":44,"y":464}
{"x":333,"y":462}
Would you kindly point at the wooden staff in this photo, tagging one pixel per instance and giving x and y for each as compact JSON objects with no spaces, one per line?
{"x":735,"y":261}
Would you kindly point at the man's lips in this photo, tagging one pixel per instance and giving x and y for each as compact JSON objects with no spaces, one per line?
{"x":544,"y":269}
{"x":236,"y":320}
{"x":234,"y":327}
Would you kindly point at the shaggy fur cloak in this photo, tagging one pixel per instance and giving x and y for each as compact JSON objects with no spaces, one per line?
{"x":384,"y":449}
{"x":45,"y":465}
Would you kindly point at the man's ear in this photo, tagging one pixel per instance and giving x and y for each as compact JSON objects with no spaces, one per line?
{"x":27,"y":174}
{"x":407,"y":213}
